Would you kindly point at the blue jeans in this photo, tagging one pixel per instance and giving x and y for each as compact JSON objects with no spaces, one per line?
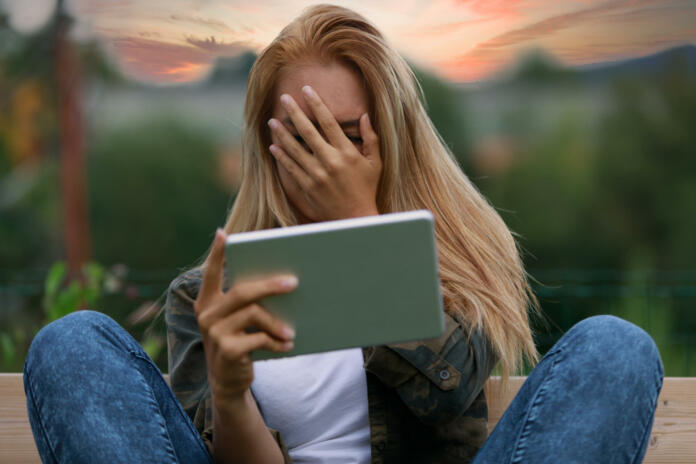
{"x":93,"y":395}
{"x":591,"y":399}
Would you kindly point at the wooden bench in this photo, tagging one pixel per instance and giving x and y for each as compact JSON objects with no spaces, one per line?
{"x":673,"y":438}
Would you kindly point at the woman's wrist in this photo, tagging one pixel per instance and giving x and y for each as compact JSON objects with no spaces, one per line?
{"x":240,"y":434}
{"x":234,"y":405}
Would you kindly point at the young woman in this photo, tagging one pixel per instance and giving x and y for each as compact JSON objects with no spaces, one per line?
{"x":335,"y":128}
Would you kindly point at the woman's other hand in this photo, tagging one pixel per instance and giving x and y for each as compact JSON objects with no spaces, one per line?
{"x":224,"y":319}
{"x":338,"y":174}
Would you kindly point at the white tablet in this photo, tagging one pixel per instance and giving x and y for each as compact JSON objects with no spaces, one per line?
{"x":362,"y":282}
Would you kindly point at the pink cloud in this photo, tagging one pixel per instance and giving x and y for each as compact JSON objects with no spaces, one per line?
{"x":495,"y":8}
{"x":492,"y":54}
{"x":160,"y":61}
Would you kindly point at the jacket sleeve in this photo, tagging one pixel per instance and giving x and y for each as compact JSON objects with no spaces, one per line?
{"x":188,"y":374}
{"x":437,"y":379}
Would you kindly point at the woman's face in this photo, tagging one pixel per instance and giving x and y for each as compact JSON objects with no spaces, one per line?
{"x":341,"y":88}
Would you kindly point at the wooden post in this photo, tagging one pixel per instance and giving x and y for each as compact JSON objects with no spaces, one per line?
{"x":73,"y":183}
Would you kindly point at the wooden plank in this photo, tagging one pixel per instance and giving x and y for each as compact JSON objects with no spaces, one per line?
{"x":16,"y":440}
{"x":673,"y":438}
{"x":498,"y":400}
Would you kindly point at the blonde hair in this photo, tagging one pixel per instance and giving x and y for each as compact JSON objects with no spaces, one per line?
{"x":482,"y":275}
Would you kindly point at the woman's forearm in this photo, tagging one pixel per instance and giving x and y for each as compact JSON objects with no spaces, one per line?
{"x":240,"y":434}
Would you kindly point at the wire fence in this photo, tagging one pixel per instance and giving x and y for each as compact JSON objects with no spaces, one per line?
{"x":663,"y":303}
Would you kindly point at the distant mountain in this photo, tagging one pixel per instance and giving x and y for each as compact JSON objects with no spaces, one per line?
{"x":540,"y":68}
{"x":683,"y":56}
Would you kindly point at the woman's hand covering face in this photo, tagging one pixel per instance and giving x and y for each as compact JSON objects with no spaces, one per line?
{"x":339,"y":175}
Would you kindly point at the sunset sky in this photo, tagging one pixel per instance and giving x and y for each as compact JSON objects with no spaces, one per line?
{"x":462,"y":40}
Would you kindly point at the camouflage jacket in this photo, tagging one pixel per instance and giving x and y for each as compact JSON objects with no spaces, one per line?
{"x":426,"y":400}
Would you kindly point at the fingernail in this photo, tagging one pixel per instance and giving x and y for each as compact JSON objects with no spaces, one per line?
{"x":308,"y":91}
{"x":287,"y":346}
{"x":273,"y":123}
{"x":219,"y":234}
{"x":289,"y":282}
{"x":285,"y":99}
{"x":273,"y":149}
{"x":289,"y":331}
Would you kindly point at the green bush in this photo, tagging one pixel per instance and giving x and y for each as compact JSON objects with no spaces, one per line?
{"x":155,"y":200}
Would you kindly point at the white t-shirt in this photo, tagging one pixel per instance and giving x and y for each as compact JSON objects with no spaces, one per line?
{"x":318,"y":402}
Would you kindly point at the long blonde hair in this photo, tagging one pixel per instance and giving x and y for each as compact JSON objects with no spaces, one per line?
{"x":482,"y":275}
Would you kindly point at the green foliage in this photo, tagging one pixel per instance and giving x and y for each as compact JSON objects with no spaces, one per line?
{"x":547,"y":191}
{"x":539,"y":68}
{"x":63,"y":295}
{"x":61,"y":299}
{"x":618,"y":194}
{"x":155,"y":199}
{"x":153,"y":346}
{"x":646,"y":170}
{"x":8,"y":347}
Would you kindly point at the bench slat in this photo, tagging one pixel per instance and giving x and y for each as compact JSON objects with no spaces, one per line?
{"x":673,"y":438}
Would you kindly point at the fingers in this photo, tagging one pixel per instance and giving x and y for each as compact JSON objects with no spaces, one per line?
{"x":235,"y":347}
{"x":303,"y":125}
{"x":370,"y":139}
{"x":305,"y":160}
{"x":235,"y":342}
{"x":292,"y":167}
{"x":243,"y":294}
{"x":253,"y":316}
{"x":246,"y":293}
{"x":325,"y":118}
{"x":212,"y":275}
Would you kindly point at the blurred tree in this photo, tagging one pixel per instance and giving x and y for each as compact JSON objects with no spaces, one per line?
{"x":154,"y":199}
{"x":547,"y":197}
{"x":647,"y":170}
{"x":538,"y":67}
{"x":231,"y":70}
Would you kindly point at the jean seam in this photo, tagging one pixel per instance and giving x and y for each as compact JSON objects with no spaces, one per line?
{"x":166,"y":431}
{"x":651,"y":418}
{"x":187,"y":420}
{"x":30,"y":388}
{"x":538,"y":395}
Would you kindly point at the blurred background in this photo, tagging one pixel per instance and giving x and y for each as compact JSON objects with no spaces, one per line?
{"x":119,"y":149}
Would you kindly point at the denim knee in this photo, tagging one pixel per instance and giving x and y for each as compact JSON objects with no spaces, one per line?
{"x":64,"y":339}
{"x":615,"y":345}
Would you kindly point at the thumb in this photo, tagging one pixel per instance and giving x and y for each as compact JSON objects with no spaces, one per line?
{"x":370,"y":139}
{"x":212,"y":275}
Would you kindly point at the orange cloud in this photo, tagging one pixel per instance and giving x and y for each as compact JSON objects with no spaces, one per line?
{"x":159,"y":61}
{"x":463,"y":40}
{"x":496,"y":8}
{"x":184,"y":72}
{"x":493,"y":54}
